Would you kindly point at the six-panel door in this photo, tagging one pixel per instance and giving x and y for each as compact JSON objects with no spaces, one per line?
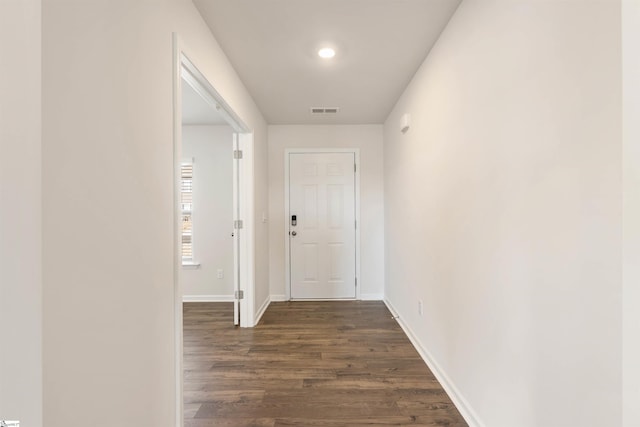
{"x":322,"y":243}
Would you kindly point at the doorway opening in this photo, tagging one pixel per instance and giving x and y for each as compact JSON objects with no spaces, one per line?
{"x":213,"y":203}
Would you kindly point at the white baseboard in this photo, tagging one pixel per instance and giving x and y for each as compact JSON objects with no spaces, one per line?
{"x":207,"y":298}
{"x":372,"y":297}
{"x":261,"y":310}
{"x":450,"y":388}
{"x":363,"y":297}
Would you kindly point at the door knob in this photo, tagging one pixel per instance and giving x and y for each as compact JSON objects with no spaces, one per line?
{"x":293,"y":233}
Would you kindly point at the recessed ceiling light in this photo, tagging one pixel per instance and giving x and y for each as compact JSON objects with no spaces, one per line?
{"x":326,"y":52}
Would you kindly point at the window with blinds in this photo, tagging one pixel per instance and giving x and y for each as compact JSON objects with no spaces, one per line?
{"x":186,"y":206}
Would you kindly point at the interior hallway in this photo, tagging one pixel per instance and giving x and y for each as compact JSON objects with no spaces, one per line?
{"x":511,"y":208}
{"x":343,"y":363}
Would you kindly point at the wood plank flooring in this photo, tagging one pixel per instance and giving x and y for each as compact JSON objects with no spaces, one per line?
{"x":323,"y":364}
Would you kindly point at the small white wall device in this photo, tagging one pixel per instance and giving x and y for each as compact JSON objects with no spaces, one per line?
{"x":405,"y":123}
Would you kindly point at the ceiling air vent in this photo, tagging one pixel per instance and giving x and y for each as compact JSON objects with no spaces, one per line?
{"x":324,"y":110}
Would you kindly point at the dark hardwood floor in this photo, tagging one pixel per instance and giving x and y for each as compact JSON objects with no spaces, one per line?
{"x":337,"y":363}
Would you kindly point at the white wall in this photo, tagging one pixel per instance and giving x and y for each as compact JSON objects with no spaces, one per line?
{"x":368,"y":138}
{"x":211,"y":148}
{"x":109,"y":347}
{"x":631,"y":212}
{"x":20,"y":212}
{"x":503,"y":211}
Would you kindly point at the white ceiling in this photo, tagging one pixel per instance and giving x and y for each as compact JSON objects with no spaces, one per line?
{"x":273,"y":46}
{"x":196,"y":111}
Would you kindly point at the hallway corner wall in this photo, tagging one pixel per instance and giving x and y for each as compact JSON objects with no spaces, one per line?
{"x":21,"y":212}
{"x":108,"y":208}
{"x":631,"y":211}
{"x":503,"y":211}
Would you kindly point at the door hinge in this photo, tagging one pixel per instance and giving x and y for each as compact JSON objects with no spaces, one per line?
{"x":355,"y":224}
{"x":356,"y":282}
{"x":238,"y":224}
{"x":354,"y":167}
{"x":239,"y":295}
{"x":237,"y":154}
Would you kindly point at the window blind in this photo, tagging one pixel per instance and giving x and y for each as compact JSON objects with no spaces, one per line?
{"x":186,"y":203}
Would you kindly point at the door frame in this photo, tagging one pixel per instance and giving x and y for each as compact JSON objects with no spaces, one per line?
{"x":184,"y":67}
{"x":287,"y":215}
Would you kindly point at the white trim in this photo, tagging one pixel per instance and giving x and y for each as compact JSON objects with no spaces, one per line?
{"x":278,"y":298}
{"x":372,"y":297}
{"x":247,"y":233}
{"x":262,"y":309}
{"x":177,"y":231}
{"x":287,"y":267}
{"x":192,"y":75}
{"x":207,"y":298}
{"x":467,"y":412}
{"x":236,"y":233}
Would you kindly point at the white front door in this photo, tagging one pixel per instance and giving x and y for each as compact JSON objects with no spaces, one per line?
{"x":322,"y":235}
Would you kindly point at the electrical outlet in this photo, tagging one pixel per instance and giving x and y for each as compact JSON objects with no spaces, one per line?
{"x":220,"y":273}
{"x":420,"y":307}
